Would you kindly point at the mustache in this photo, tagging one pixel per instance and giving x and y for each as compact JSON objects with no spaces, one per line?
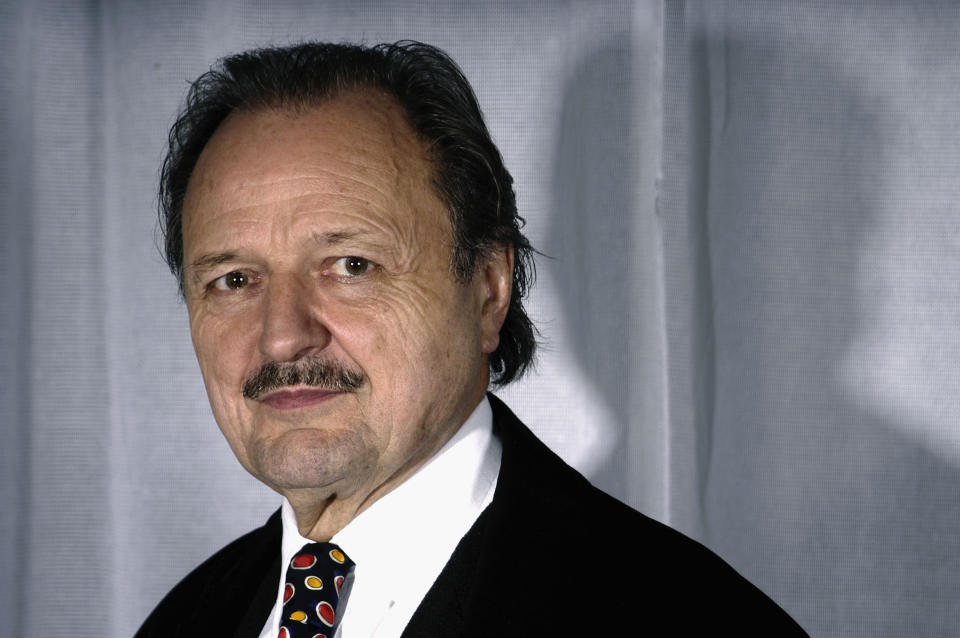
{"x":316,"y":372}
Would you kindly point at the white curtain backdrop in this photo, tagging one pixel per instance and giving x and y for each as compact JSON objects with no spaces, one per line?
{"x":749,"y":306}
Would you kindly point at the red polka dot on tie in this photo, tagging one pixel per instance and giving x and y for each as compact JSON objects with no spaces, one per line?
{"x":325,"y":613}
{"x":303,"y":561}
{"x":319,"y":635}
{"x":338,"y":581}
{"x":284,"y":633}
{"x":287,"y":593}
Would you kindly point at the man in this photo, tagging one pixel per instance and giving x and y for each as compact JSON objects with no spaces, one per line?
{"x":348,"y":244}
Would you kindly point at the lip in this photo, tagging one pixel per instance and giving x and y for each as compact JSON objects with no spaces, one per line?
{"x":297,"y":399}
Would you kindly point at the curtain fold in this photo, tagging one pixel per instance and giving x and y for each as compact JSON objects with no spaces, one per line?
{"x":59,"y":422}
{"x":14,"y":314}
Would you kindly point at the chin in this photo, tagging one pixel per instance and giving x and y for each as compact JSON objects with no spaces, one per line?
{"x":315,"y":459}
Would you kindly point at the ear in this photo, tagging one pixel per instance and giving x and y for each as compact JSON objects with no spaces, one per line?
{"x":496,"y":285}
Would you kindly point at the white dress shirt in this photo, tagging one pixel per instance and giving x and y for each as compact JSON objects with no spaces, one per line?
{"x":402,"y":542}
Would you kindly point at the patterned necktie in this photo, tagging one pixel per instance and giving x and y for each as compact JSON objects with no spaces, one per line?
{"x":318,"y":583}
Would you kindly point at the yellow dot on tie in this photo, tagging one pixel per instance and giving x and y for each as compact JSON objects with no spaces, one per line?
{"x":313,"y":582}
{"x":337,"y":555}
{"x":298,"y":616}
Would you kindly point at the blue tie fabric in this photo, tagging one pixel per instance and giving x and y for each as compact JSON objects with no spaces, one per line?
{"x":315,"y":593}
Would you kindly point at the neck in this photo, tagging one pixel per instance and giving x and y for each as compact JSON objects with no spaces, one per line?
{"x":322,"y":512}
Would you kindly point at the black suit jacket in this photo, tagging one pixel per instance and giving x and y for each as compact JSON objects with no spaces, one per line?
{"x":550,"y":554}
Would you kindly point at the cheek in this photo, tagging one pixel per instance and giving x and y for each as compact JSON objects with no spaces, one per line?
{"x":222,"y":360}
{"x":403,"y":321}
{"x":223,"y":350}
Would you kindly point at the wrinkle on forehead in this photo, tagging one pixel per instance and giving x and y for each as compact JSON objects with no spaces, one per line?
{"x":354,"y":126}
{"x":350,"y":162}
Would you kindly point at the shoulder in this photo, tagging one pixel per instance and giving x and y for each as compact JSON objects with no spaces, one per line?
{"x":228,"y":580}
{"x":573,"y":537}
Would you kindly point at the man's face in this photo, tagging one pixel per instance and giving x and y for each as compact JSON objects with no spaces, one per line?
{"x":317,"y":251}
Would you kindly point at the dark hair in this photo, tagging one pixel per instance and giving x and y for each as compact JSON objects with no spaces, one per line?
{"x":441,"y":107}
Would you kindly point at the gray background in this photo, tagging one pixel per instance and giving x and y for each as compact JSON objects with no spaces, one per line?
{"x":750,"y":310}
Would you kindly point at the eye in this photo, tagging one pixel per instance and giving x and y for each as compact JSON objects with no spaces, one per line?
{"x":351,"y":267}
{"x":234,"y":280}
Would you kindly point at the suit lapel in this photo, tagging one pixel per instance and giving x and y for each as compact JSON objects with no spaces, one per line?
{"x":473,"y":592}
{"x":261,"y":603}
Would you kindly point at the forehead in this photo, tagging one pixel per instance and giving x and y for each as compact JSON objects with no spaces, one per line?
{"x":354,"y":153}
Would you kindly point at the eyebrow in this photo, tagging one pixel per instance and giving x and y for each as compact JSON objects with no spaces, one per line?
{"x":209,"y":261}
{"x":331,"y":238}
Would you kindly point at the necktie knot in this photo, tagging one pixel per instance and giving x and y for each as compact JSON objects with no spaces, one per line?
{"x":315,"y":591}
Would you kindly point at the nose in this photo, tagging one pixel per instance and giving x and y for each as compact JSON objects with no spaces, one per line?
{"x":291,"y":328}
